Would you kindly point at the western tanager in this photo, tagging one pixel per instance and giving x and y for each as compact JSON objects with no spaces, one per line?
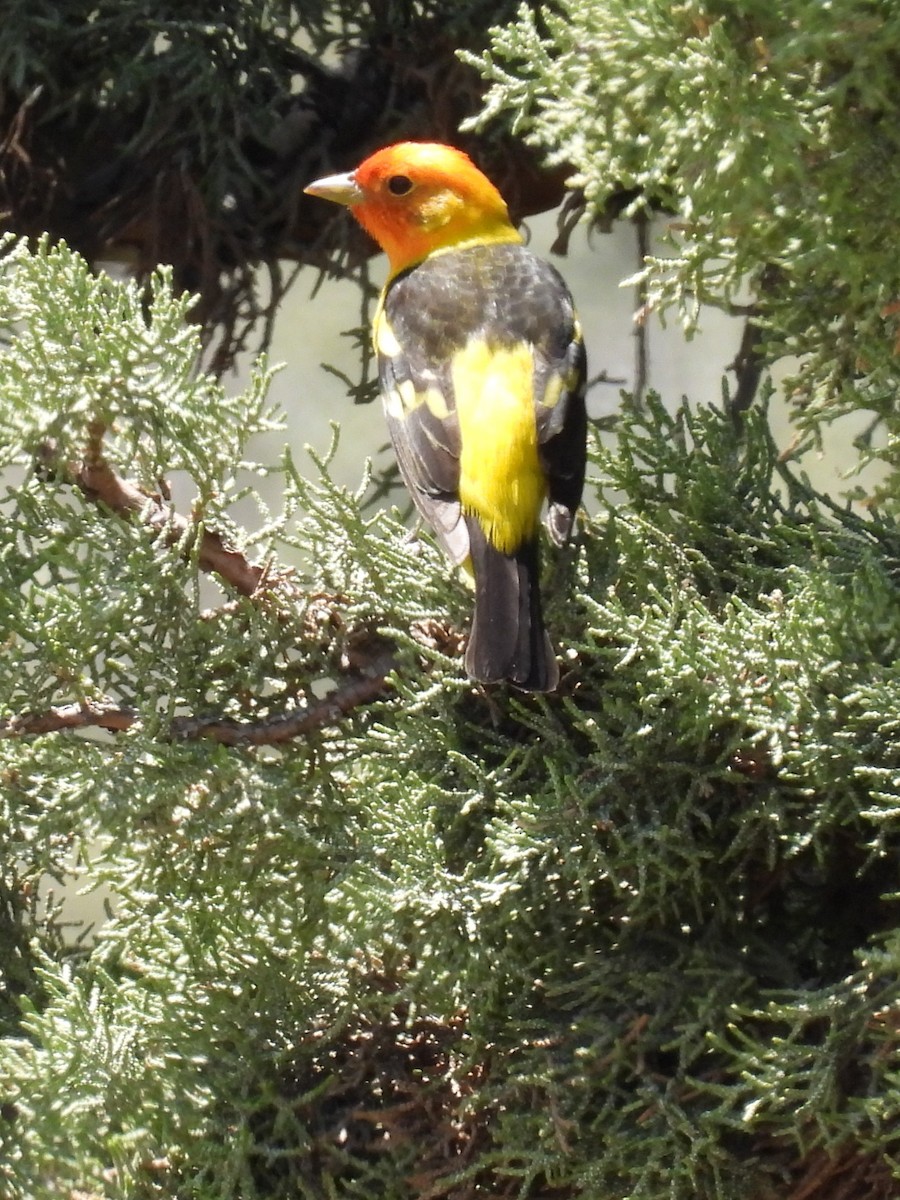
{"x":482,"y":369}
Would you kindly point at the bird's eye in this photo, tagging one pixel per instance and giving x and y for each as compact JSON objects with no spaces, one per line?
{"x":399,"y":185}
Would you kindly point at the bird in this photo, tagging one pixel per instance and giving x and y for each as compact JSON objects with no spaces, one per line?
{"x":482,"y":369}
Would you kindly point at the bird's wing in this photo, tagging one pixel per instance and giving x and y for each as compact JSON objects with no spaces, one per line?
{"x":560,"y":383}
{"x":542,"y":313}
{"x":424,"y":431}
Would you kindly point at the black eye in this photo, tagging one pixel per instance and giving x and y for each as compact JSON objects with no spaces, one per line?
{"x":399,"y":185}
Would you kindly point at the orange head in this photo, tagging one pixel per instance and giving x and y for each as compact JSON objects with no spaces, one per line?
{"x":417,"y":197}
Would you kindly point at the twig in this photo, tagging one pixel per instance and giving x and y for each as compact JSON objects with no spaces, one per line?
{"x":749,"y":362}
{"x":748,"y":367}
{"x":70,"y":716}
{"x":641,"y":330}
{"x":286,"y":726}
{"x":269,"y":732}
{"x":96,"y":479}
{"x":571,"y":211}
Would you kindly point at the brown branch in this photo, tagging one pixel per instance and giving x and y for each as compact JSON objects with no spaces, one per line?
{"x":286,"y":726}
{"x":269,"y":732}
{"x":85,"y":715}
{"x":748,"y":366}
{"x":96,"y":479}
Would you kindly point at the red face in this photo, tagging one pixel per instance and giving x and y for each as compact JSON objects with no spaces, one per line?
{"x":419,"y":196}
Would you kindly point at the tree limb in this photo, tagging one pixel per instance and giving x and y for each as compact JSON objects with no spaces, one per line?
{"x":96,"y":479}
{"x":748,"y":367}
{"x":269,"y":732}
{"x":88,"y":714}
{"x":98,"y":482}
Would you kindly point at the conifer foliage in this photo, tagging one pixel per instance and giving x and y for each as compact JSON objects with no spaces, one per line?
{"x":376,"y":932}
{"x":632,"y":939}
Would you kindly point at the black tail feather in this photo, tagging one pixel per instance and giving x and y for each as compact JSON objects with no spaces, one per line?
{"x":508,"y":639}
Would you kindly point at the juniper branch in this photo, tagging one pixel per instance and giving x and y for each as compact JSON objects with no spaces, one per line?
{"x":366,"y":673}
{"x":96,"y":480}
{"x":84,"y":715}
{"x":271,"y":731}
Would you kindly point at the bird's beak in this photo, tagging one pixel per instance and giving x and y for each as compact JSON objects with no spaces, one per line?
{"x":342,"y":189}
